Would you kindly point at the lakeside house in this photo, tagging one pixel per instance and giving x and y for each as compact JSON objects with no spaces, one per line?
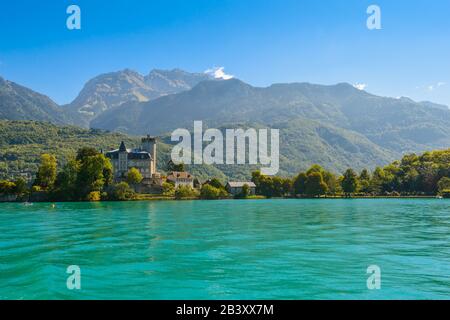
{"x":181,"y":179}
{"x":142,"y":158}
{"x":235,"y":187}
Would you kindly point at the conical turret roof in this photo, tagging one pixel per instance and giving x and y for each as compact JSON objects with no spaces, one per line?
{"x":122,"y":147}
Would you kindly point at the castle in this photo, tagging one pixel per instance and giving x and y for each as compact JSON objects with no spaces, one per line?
{"x":142,"y":158}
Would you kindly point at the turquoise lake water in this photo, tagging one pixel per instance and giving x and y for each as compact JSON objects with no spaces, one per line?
{"x":262,"y":249}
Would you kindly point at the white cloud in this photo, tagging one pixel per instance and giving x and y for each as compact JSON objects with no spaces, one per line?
{"x":432,"y":87}
{"x":360,"y":86}
{"x":219,"y":73}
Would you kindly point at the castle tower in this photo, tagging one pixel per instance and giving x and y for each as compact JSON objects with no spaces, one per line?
{"x":123,"y":159}
{"x":149,"y":145}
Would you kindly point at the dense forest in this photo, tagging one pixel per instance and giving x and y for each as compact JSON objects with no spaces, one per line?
{"x":88,"y":177}
{"x":413,"y":175}
{"x":23,"y":142}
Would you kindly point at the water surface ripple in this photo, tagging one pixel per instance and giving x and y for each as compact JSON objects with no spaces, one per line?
{"x":262,"y":249}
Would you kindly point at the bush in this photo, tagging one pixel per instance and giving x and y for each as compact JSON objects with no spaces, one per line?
{"x":134,"y":177}
{"x":168,"y":189}
{"x":215,"y":183}
{"x":21,"y":186}
{"x":7,"y":187}
{"x":36,"y":189}
{"x":208,"y":192}
{"x":94,"y":196}
{"x":245,"y":192}
{"x":444,"y":184}
{"x":185,"y":192}
{"x":121,"y":192}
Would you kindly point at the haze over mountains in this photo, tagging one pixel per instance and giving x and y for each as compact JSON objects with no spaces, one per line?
{"x":337,"y":126}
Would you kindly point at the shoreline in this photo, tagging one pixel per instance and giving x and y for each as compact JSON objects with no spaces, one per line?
{"x":231,"y":199}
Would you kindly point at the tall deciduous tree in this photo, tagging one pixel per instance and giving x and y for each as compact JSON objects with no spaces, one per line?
{"x":95,"y":172}
{"x":245,"y":192}
{"x":315,"y":186}
{"x":349,"y":182}
{"x":65,"y":185}
{"x":364,"y":181}
{"x":134,"y":177}
{"x":46,"y":175}
{"x":299,"y":184}
{"x":20,"y":186}
{"x":444,"y":184}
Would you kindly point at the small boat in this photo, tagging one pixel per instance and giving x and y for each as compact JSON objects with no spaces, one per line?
{"x":439,"y":197}
{"x":27,"y":204}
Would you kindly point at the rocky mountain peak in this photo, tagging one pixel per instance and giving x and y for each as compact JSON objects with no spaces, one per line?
{"x":113,"y":89}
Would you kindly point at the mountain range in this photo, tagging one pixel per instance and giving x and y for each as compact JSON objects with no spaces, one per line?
{"x":113,"y":89}
{"x":337,"y":126}
{"x":20,"y":103}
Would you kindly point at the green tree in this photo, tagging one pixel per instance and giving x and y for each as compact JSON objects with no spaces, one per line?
{"x":171,"y":166}
{"x":410,"y":180}
{"x":315,"y":168}
{"x":364,"y":175}
{"x":20,"y":186}
{"x":392,"y":177}
{"x":183,"y":192}
{"x":215,"y":183}
{"x":331,"y":181}
{"x":121,"y":192}
{"x":95,"y":173}
{"x":444,"y":184}
{"x":209,"y":192}
{"x":364,"y":181}
{"x":265,"y":186}
{"x":245,"y":192}
{"x":277,"y":186}
{"x":271,"y":186}
{"x":168,"y":189}
{"x":287,"y":187}
{"x":65,"y":185}
{"x":46,"y":174}
{"x":329,"y":178}
{"x":315,"y":186}
{"x":349,"y":182}
{"x":256,"y":179}
{"x":299,"y":184}
{"x":7,"y":187}
{"x":94,"y":196}
{"x":376,"y":183}
{"x":134,"y":177}
{"x":86,"y":152}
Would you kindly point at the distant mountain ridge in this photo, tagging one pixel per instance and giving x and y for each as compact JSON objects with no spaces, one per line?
{"x":397,"y":124}
{"x":20,"y":103}
{"x":337,"y":125}
{"x":113,"y":89}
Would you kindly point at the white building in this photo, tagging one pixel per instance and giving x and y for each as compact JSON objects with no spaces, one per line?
{"x":181,"y":179}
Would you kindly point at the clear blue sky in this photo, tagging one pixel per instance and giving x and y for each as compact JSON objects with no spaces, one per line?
{"x":259,"y":41}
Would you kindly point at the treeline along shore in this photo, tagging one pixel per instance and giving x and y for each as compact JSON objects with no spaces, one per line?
{"x":89,"y":177}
